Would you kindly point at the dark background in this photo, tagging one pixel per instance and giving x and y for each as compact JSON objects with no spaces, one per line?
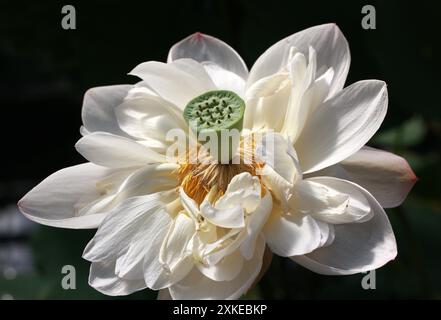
{"x":45,"y":70}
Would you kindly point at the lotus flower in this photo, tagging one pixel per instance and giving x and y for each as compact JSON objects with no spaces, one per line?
{"x":203,"y":230}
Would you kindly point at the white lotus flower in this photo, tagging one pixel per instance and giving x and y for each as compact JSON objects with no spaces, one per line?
{"x":200,"y":231}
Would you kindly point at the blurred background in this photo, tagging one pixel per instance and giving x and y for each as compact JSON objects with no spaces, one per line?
{"x":45,"y":70}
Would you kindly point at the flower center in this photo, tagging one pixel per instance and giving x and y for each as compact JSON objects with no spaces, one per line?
{"x":216,"y":117}
{"x":197,"y":179}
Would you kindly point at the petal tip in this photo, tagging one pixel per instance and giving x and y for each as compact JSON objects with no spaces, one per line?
{"x":410,"y":175}
{"x":20,"y":205}
{"x":198,"y":36}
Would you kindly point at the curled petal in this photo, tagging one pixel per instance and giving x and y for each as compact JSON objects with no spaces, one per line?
{"x":197,"y":286}
{"x":279,"y":154}
{"x":175,"y":254}
{"x":357,"y":247}
{"x":328,"y":42}
{"x":266,"y":101}
{"x":291,"y":234}
{"x":242,"y":195}
{"x":225,"y":270}
{"x":331,"y":200}
{"x":226,"y":218}
{"x":254,"y":225}
{"x":244,"y":190}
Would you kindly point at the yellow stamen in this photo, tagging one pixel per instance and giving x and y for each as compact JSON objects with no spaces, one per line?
{"x":197,"y":179}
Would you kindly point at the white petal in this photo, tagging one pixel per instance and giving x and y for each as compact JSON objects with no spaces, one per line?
{"x":327,"y":40}
{"x":266,"y":102}
{"x":386,"y":176}
{"x":279,"y":187}
{"x":121,"y":225}
{"x":291,"y":234}
{"x":196,"y":69}
{"x":190,"y":206}
{"x":212,"y":253}
{"x":297,"y":69}
{"x":175,"y":255}
{"x":84,"y":131}
{"x":140,"y":90}
{"x":254,"y":224}
{"x":147,"y":180}
{"x":109,"y":150}
{"x":328,"y":234}
{"x":342,"y":125}
{"x":132,"y":234}
{"x":226,"y":218}
{"x":298,"y":105}
{"x":149,"y":117}
{"x":102,"y":277}
{"x":356,"y":248}
{"x":58,"y":200}
{"x":304,"y":101}
{"x":331,"y":200}
{"x":197,"y":286}
{"x":278,"y":153}
{"x":225,"y":270}
{"x":319,"y":90}
{"x":244,"y":190}
{"x":225,"y":80}
{"x":99,"y":105}
{"x":140,"y":259}
{"x":243,"y":193}
{"x":171,"y":82}
{"x":124,"y":184}
{"x":202,"y":48}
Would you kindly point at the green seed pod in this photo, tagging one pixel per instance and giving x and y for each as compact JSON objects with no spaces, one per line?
{"x":221,"y":111}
